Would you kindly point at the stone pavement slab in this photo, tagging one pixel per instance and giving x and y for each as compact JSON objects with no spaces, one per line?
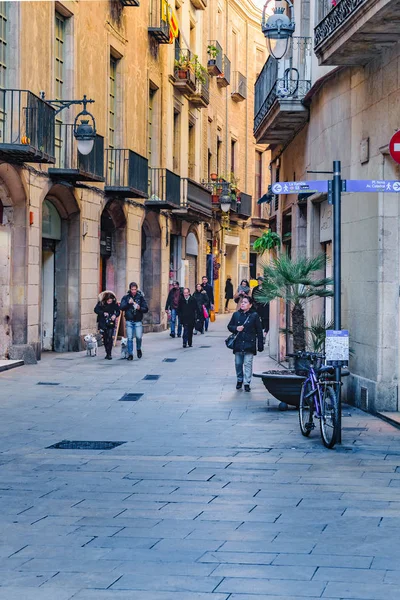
{"x":214,"y":494}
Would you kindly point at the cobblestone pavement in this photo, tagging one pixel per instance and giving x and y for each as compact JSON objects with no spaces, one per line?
{"x":214,"y":495}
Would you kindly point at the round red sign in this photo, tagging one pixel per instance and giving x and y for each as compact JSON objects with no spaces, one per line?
{"x":394,"y":147}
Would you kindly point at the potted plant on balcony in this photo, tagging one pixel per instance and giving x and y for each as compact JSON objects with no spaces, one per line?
{"x":212,"y":52}
{"x":199,"y":71}
{"x":184,"y":66}
{"x":296,"y":282}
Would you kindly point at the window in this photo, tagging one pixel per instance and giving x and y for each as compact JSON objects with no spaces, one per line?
{"x":59,"y":55}
{"x":192,"y":160}
{"x":258,"y":182}
{"x":112,"y":100}
{"x":233,"y":156}
{"x":150,"y":125}
{"x":234,"y":51}
{"x":3,"y":44}
{"x":177,"y":141}
{"x":219,"y":156}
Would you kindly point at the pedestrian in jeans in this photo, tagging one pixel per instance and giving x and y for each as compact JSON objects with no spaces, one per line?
{"x":210,"y":293}
{"x":247,"y":325}
{"x":172,"y":305}
{"x":107,"y":311}
{"x":202,"y":301}
{"x":188,"y":313}
{"x":134,"y":305}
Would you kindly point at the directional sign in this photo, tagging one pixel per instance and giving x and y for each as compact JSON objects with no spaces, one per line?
{"x":394,"y":147}
{"x":299,"y":187}
{"x":371,"y":185}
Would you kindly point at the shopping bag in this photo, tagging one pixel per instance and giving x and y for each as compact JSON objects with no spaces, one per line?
{"x":205,"y":312}
{"x":212,"y":316}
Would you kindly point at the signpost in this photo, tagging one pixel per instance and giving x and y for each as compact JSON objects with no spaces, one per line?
{"x":334,"y":188}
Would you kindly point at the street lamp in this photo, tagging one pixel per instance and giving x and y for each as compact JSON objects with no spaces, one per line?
{"x":278,"y":28}
{"x":225,"y":199}
{"x":85,"y":131}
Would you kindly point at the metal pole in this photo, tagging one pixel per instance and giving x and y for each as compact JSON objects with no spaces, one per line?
{"x":337,"y":189}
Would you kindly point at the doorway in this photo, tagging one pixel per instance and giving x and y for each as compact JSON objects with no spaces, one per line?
{"x":151,"y":268}
{"x":51,"y":235}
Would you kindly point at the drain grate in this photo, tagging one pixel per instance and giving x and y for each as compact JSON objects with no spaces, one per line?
{"x":47,"y":383}
{"x":204,"y":346}
{"x":169,"y":360}
{"x":130,"y":397}
{"x":85,"y":445}
{"x":355,"y":428}
{"x":151,"y":377}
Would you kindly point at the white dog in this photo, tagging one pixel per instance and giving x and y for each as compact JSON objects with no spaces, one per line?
{"x":91,"y":345}
{"x":124,"y":347}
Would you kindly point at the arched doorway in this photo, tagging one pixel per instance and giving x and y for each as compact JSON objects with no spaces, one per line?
{"x":151,"y":268}
{"x":5,"y":280}
{"x":192,"y":252}
{"x":61,"y":250}
{"x":112,"y":274}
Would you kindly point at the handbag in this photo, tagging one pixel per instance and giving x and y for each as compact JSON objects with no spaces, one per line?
{"x":230,"y":341}
{"x":205,"y":312}
{"x":212,"y":316}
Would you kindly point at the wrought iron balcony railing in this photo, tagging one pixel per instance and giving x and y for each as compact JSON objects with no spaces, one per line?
{"x":184,"y":71}
{"x":164,"y":188}
{"x":126,"y":173}
{"x":239,"y":87}
{"x":334,"y":18}
{"x":158,"y":23}
{"x":26,"y":128}
{"x":72,"y":166}
{"x":284,"y":89}
{"x":215,"y":58}
{"x":224,"y":79}
{"x":201,"y":98}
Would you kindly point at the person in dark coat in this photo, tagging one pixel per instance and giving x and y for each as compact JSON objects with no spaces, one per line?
{"x":107,"y":311}
{"x":171,"y":306}
{"x":210,"y":293}
{"x":262,"y":308}
{"x":187,"y":312}
{"x":247,"y":325}
{"x":202,"y":299}
{"x":134,"y":305}
{"x":228,"y":292}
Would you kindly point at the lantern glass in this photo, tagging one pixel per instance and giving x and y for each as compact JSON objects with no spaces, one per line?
{"x":277,"y":47}
{"x":85,"y":146}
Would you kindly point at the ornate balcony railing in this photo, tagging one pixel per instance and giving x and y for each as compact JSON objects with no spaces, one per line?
{"x":335,"y":18}
{"x":26,"y":128}
{"x":284,"y":89}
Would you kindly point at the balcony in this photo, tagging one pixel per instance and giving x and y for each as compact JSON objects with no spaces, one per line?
{"x":26,"y":128}
{"x":199,"y":4}
{"x":184,"y":72}
{"x":201,"y":98}
{"x":239,"y":87}
{"x":159,"y":26}
{"x":215,"y":57}
{"x":195,"y":201}
{"x":279,"y":111}
{"x":164,"y":188}
{"x":71,"y":166}
{"x":224,"y":79}
{"x":354,"y":31}
{"x":130,"y":2}
{"x":126,"y":173}
{"x":244,"y":206}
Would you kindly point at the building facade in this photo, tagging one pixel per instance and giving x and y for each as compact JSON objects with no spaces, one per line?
{"x":334,"y":96}
{"x":173,"y":103}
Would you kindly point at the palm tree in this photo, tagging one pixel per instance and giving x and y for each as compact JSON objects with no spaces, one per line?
{"x":294,"y":280}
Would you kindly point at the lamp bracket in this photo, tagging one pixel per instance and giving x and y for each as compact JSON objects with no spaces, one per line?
{"x":61,"y":104}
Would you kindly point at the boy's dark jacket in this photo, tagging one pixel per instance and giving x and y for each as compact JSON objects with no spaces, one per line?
{"x":130,"y":313}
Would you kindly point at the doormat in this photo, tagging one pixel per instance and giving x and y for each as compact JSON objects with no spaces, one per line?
{"x":151,"y":377}
{"x":130,"y":397}
{"x":84,"y":445}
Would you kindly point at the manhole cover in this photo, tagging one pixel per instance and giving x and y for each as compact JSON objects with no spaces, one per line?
{"x":85,"y":445}
{"x":131,"y":397}
{"x":169,"y":360}
{"x":47,"y":383}
{"x":204,"y":346}
{"x":151,"y":377}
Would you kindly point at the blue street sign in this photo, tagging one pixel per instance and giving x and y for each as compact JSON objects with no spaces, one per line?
{"x":370,"y":185}
{"x":299,"y":187}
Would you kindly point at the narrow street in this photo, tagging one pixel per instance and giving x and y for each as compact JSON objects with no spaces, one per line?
{"x":214,"y":494}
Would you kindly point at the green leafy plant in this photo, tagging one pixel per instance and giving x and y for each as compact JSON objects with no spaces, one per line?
{"x":200,"y":72}
{"x":212,"y":51}
{"x":268,"y":241}
{"x":296,"y":282}
{"x":184,"y":63}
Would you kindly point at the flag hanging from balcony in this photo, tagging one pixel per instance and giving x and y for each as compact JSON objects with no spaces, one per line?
{"x":173,"y":24}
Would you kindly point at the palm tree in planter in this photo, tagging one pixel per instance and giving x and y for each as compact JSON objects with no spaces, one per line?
{"x":296,"y":282}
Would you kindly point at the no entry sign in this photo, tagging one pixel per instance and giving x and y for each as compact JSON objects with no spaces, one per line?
{"x":394,"y":147}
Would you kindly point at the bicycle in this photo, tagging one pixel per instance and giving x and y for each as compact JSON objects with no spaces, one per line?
{"x":318,"y":398}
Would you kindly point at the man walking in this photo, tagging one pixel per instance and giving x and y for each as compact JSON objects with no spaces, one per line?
{"x":210,"y":293}
{"x":134,"y":305}
{"x":172,"y":305}
{"x":187,"y":316}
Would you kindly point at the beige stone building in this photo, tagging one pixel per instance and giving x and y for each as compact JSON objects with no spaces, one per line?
{"x":140,"y":206}
{"x":334,"y":96}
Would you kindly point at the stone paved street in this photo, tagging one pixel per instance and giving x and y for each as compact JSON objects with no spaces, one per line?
{"x":214,"y":495}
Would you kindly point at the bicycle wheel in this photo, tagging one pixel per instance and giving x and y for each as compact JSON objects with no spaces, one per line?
{"x":306,"y":409}
{"x":329,"y":422}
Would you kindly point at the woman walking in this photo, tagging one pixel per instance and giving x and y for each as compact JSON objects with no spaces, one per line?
{"x":228,"y":292}
{"x":243,"y":291}
{"x":107,"y":311}
{"x":203,"y":302}
{"x":246,"y":324}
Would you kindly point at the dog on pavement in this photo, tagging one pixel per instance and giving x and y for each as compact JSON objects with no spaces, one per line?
{"x":124,"y":347}
{"x":91,"y":345}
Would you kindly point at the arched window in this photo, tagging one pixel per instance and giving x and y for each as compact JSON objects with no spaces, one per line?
{"x":192,"y":246}
{"x":51,"y":222}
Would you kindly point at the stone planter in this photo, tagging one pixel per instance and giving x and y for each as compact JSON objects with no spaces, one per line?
{"x":283,"y":385}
